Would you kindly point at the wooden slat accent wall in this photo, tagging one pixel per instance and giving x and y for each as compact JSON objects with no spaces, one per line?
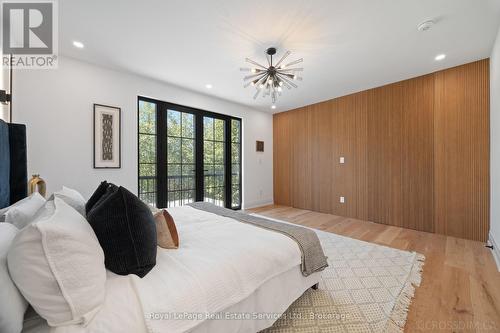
{"x":462,"y":149}
{"x":416,"y":154}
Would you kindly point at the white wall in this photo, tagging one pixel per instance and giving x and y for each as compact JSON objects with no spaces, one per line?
{"x":56,"y":106}
{"x":495,"y":145}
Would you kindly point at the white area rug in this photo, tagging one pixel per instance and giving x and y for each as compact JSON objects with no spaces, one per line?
{"x":366,"y":288}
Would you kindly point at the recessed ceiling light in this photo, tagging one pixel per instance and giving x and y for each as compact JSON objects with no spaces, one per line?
{"x":208,"y":86}
{"x":78,"y":44}
{"x":440,"y":57}
{"x":273,"y":106}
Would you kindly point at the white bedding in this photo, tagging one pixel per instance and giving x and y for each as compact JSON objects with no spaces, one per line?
{"x":121,"y":311}
{"x":220,"y":262}
{"x":219,"y":265}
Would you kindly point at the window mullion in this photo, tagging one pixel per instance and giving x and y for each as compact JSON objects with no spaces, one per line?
{"x":199,"y":156}
{"x":228,"y":164}
{"x":162,"y":195}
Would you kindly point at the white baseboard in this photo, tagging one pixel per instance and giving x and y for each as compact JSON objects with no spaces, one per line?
{"x":495,"y":251}
{"x":259,"y":203}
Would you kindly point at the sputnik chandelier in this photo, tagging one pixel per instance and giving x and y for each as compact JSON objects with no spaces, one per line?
{"x":270,"y":80}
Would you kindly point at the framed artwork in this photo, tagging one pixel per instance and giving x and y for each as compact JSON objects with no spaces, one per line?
{"x":107,"y":137}
{"x":259,"y":146}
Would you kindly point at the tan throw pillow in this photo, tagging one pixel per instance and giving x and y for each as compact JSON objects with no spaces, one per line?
{"x":166,"y":232}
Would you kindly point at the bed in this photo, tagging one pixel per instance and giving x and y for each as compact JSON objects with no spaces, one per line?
{"x":227,"y":276}
{"x":184,"y":284}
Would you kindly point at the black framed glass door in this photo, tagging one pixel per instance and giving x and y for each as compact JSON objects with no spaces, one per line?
{"x":196,"y":155}
{"x":181,"y":167}
{"x":214,"y":160}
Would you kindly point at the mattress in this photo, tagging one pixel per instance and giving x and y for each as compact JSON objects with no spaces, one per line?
{"x":223,"y":269}
{"x":121,"y":313}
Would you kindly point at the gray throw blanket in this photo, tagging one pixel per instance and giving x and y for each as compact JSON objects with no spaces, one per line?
{"x":313,"y":257}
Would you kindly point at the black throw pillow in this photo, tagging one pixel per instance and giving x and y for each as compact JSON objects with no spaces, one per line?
{"x":98,"y":193}
{"x":126,"y":230}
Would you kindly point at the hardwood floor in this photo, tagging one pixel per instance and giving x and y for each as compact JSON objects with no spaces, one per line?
{"x":460,"y":290}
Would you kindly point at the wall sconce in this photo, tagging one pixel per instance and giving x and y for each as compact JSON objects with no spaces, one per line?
{"x":4,"y":97}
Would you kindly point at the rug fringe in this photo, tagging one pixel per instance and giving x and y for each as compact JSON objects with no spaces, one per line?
{"x":397,"y":319}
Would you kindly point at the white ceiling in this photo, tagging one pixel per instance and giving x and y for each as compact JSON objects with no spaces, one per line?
{"x":347,"y":45}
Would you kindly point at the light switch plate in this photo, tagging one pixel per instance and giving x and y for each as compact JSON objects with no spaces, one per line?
{"x":342,"y":199}
{"x":342,"y":160}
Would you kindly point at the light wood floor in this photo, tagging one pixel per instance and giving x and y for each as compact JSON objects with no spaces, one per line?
{"x":460,"y":290}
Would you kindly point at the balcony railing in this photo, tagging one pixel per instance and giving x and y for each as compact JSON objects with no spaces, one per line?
{"x":147,"y":188}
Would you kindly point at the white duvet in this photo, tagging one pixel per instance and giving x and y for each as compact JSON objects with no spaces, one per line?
{"x":220,"y":262}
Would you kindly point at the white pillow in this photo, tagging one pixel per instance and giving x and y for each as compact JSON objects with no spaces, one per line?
{"x":72,"y":198}
{"x":46,"y":211}
{"x":58,"y":265}
{"x":12,"y":304}
{"x":22,"y":212}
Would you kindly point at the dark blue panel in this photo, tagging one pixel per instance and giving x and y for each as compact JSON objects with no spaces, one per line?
{"x":4,"y":165}
{"x":18,"y":163}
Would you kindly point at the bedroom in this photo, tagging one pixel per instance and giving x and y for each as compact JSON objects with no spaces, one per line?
{"x":347,"y":153}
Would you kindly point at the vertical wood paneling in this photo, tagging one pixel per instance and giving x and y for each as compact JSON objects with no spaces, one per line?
{"x":343,"y":128}
{"x":322,"y":177}
{"x":417,"y":154}
{"x":281,"y":153}
{"x":360,"y":155}
{"x":462,"y":151}
{"x":301,"y":158}
{"x":385,"y":114}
